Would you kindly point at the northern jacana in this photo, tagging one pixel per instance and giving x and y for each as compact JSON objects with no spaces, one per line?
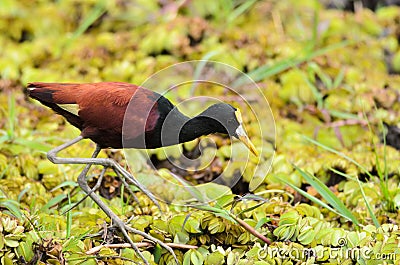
{"x":101,"y":112}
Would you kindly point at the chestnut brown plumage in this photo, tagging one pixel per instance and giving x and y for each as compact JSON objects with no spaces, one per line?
{"x":103,"y":113}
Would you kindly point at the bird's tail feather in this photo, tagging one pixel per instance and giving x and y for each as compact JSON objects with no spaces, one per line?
{"x":59,"y":93}
{"x":53,"y":95}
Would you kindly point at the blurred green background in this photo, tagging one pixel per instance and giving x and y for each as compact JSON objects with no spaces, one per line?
{"x":329,"y":70}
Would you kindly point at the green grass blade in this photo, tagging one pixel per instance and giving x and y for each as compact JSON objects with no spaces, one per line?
{"x":218,"y":212}
{"x":12,"y":207}
{"x":67,"y":183}
{"x":327,"y":148}
{"x":374,"y":219}
{"x":328,"y":195}
{"x":57,"y":199}
{"x":342,"y":174}
{"x":343,"y":115}
{"x":240,"y":10}
{"x":224,"y":201}
{"x":32,"y":144}
{"x":69,"y":219}
{"x":317,"y":94}
{"x":196,"y":194}
{"x":251,"y":208}
{"x":94,"y":14}
{"x":371,"y":213}
{"x":11,"y":116}
{"x":311,"y":198}
{"x":200,"y":66}
{"x":267,"y":70}
{"x":383,"y":174}
{"x":339,"y":78}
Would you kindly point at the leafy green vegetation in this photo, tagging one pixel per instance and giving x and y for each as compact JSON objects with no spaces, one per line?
{"x":326,"y":183}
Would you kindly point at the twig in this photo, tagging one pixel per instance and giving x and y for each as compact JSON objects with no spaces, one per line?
{"x":250,"y":229}
{"x":139,"y":245}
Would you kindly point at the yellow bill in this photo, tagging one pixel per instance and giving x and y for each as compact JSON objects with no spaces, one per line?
{"x":245,"y":139}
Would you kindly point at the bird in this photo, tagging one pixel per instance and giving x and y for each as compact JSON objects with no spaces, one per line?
{"x":122,"y":115}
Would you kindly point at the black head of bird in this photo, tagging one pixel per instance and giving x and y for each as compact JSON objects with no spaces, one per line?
{"x":218,"y":118}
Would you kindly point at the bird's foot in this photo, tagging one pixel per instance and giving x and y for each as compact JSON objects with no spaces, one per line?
{"x":108,"y":163}
{"x":124,"y":228}
{"x":126,"y":178}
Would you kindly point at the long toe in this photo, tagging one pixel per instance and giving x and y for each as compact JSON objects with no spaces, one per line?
{"x":153,"y":240}
{"x":131,"y":179}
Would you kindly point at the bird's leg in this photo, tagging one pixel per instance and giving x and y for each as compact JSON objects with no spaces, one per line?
{"x":98,"y":184}
{"x":125,"y":174}
{"x":118,"y":222}
{"x":130,"y":191}
{"x":106,"y":162}
{"x":85,"y":187}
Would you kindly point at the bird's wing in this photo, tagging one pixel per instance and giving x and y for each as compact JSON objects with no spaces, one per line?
{"x":99,"y":108}
{"x":103,"y":105}
{"x":142,"y":114}
{"x":108,"y":108}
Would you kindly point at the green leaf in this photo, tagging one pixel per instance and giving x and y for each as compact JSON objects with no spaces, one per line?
{"x":224,"y":201}
{"x":240,"y":10}
{"x":68,"y":183}
{"x":11,"y":243}
{"x":259,"y":176}
{"x":192,"y":225}
{"x":310,"y":197}
{"x":34,"y":145}
{"x":157,"y":253}
{"x":196,"y":258}
{"x":95,"y":13}
{"x":218,"y":212}
{"x":265,"y":71}
{"x":181,"y":238}
{"x":53,"y":202}
{"x":6,"y":260}
{"x":13,"y":207}
{"x":328,"y":195}
{"x":215,"y":258}
{"x":186,"y":258}
{"x":262,"y":221}
{"x":374,"y":219}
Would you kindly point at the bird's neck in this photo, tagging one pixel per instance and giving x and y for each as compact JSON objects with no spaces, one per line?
{"x":196,"y":127}
{"x":179,"y":128}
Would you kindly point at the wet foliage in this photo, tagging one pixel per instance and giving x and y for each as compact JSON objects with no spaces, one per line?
{"x":332,"y":80}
